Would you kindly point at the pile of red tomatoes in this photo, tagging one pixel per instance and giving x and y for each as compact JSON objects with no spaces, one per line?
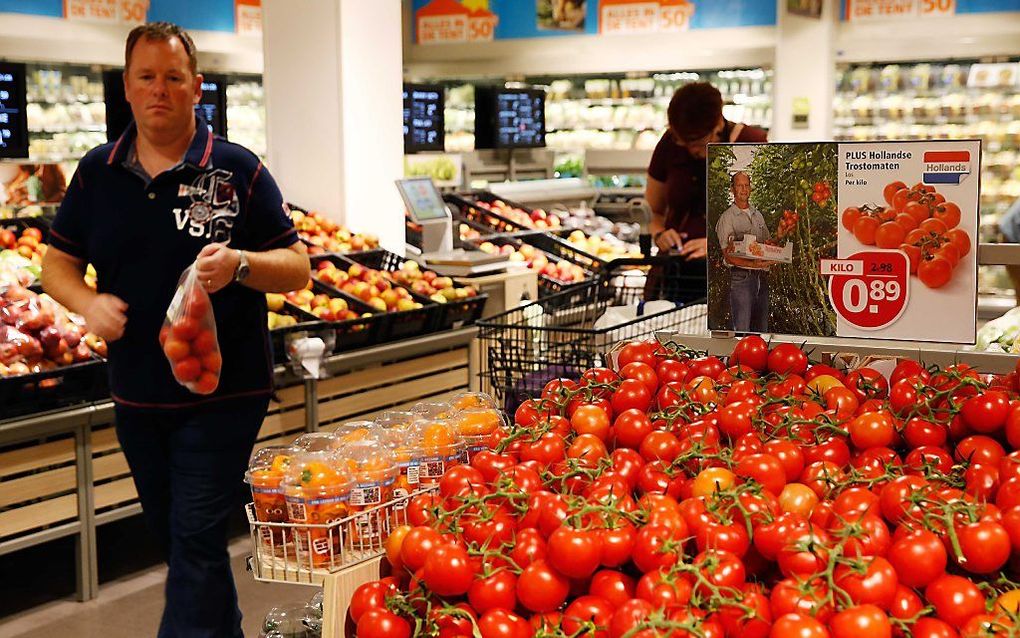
{"x":755,"y":496}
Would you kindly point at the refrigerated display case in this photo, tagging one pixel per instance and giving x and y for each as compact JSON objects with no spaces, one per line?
{"x":246,"y":113}
{"x":614,"y":111}
{"x":66,"y":111}
{"x":943,"y":100}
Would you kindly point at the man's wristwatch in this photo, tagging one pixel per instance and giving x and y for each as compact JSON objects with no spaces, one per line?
{"x":243,"y":269}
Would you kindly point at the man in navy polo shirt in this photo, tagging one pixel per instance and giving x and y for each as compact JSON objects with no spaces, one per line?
{"x":141,"y":210}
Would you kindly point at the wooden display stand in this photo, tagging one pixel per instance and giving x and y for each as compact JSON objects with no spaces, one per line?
{"x":337,"y":590}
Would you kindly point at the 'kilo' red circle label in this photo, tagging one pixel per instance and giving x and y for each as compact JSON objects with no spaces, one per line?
{"x":873,"y":293}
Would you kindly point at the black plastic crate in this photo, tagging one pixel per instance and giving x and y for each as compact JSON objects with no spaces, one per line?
{"x":467,"y":204}
{"x":452,"y":314}
{"x":76,"y":384}
{"x":399,"y":325}
{"x":18,"y":224}
{"x":307,"y":322}
{"x":413,"y":236}
{"x":547,"y":286}
{"x":404,"y":324}
{"x":556,"y":245}
{"x":353,"y":334}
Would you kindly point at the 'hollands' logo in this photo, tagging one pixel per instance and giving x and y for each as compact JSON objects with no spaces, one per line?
{"x":945,"y":167}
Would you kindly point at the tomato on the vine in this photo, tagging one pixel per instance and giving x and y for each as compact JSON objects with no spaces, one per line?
{"x":862,"y":621}
{"x":631,"y":394}
{"x":575,"y":553}
{"x":642,"y":372}
{"x":497,"y":591}
{"x":501,"y":623}
{"x":798,"y":626}
{"x":588,"y":611}
{"x":541,"y":588}
{"x":787,"y":358}
{"x":751,"y":351}
{"x":984,"y":547}
{"x":955,"y":599}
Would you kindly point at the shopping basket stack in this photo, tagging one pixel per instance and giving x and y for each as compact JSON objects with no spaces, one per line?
{"x":562,"y":335}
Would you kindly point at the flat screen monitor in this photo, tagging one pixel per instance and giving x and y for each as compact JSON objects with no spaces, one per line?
{"x":423,"y":117}
{"x":13,"y":116}
{"x":422,"y":199}
{"x":509,"y":118}
{"x":213,"y":104}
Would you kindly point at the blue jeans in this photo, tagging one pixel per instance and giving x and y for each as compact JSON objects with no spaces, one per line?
{"x":188,"y":469}
{"x":749,"y":300}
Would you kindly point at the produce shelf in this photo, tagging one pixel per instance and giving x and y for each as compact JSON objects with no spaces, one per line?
{"x":452,"y":314}
{"x":400,"y":324}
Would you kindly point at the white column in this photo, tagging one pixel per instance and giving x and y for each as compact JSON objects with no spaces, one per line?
{"x":333,"y":76}
{"x":805,"y":69}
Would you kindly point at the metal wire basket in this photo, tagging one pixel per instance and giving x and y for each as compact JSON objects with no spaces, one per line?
{"x":560,"y":336}
{"x":304,"y":553}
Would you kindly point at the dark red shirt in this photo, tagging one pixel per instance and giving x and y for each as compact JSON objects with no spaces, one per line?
{"x":684,"y":176}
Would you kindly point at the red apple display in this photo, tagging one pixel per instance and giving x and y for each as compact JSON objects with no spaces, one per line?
{"x":326,"y":236}
{"x":371,"y":286}
{"x":38,"y":334}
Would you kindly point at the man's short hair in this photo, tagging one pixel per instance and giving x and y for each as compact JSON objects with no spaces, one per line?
{"x":733,"y":178}
{"x":161,"y":32}
{"x":694,"y":111}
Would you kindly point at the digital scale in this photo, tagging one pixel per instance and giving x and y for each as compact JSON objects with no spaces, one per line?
{"x":427,"y":208}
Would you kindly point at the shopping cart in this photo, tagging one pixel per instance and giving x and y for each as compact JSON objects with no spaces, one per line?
{"x":562,"y":335}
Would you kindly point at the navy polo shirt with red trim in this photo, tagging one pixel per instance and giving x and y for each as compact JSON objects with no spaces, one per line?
{"x":141,"y":233}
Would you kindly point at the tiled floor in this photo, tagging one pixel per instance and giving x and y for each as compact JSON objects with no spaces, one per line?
{"x":130,"y":606}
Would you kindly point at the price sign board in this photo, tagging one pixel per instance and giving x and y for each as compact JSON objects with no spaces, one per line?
{"x":869,"y":289}
{"x":883,"y":237}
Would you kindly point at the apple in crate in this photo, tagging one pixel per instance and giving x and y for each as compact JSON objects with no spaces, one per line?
{"x":275,"y":301}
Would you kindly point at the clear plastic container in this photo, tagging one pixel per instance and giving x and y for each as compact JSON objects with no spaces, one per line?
{"x":374,"y":471}
{"x":315,"y":442}
{"x":480,"y":429}
{"x":396,"y":420}
{"x":267,"y":469}
{"x":353,"y":431}
{"x":472,"y":400}
{"x":440,"y":448}
{"x":317,"y":489}
{"x":286,"y":622}
{"x":433,"y":410}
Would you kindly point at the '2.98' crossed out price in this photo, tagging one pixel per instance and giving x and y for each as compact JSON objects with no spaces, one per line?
{"x":868,"y":290}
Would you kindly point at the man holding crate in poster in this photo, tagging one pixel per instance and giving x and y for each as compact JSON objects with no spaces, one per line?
{"x":749,"y":278}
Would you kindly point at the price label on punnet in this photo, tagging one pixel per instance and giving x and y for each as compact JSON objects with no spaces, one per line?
{"x":869,"y":290}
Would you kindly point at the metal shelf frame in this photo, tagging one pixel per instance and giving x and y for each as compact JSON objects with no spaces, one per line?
{"x":79,"y":422}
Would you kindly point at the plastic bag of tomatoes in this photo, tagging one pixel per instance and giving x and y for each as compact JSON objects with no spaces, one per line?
{"x":188,"y":336}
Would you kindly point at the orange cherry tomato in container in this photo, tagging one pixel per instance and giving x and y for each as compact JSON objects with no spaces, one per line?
{"x":316,"y":490}
{"x":373,"y":468}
